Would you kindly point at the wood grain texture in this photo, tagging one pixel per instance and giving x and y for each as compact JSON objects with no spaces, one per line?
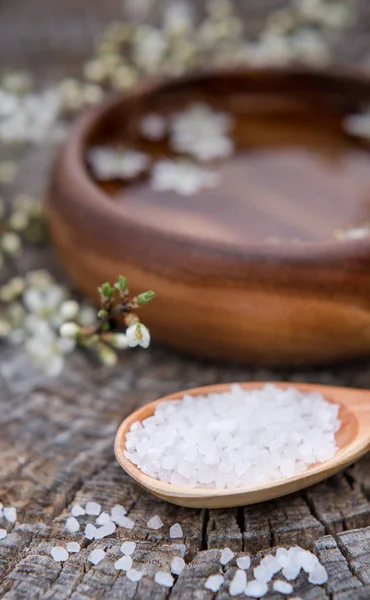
{"x":57,"y":436}
{"x":222,"y":285}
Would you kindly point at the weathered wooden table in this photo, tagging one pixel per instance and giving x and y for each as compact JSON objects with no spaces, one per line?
{"x":57,"y":436}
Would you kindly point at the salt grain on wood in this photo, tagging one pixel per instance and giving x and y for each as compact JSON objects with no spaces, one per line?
{"x":318,"y":576}
{"x":125,"y":522}
{"x":103,"y":519}
{"x":105,"y":530}
{"x":155,"y":522}
{"x":226,"y":556}
{"x":177,"y":565}
{"x":243,"y":562}
{"x":123,"y":564}
{"x":59,"y":554}
{"x":128,"y":548}
{"x":72,"y":525}
{"x":262,"y":573}
{"x":163,"y":578}
{"x":90,"y":531}
{"x":176,"y":531}
{"x":3,"y":534}
{"x":73,"y":547}
{"x":221,"y":451}
{"x":77,"y":511}
{"x":134,"y":575}
{"x":10,"y":514}
{"x":117,"y":511}
{"x":214,"y":582}
{"x":282,"y":586}
{"x":238,"y":584}
{"x":96,"y":556}
{"x":256,"y":589}
{"x":93,"y":509}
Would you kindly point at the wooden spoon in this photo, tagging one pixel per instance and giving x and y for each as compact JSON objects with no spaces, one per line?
{"x":353,"y":441}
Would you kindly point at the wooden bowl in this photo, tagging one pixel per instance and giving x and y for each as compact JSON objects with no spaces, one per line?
{"x":353,"y":441}
{"x":251,"y":270}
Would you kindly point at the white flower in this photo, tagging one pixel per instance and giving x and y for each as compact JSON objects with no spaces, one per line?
{"x":109,"y":163}
{"x":182,"y":177}
{"x":69,"y":310}
{"x":149,"y":47}
{"x":11,"y":243}
{"x":119,"y":340}
{"x":153,"y":126}
{"x":178,"y":18}
{"x":202,"y":132}
{"x":9,"y":103}
{"x":138,"y":335}
{"x":69,"y":329}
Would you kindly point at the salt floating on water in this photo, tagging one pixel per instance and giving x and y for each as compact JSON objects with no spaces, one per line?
{"x":93,"y":509}
{"x":177,"y":565}
{"x":73,"y":547}
{"x":96,"y":556}
{"x":163,"y":578}
{"x":10,"y":514}
{"x":134,"y":575}
{"x":282,"y":586}
{"x":123,"y":564}
{"x":72,"y":525}
{"x":237,"y":586}
{"x":3,"y":534}
{"x":103,"y":519}
{"x":176,"y":531}
{"x":226,"y":556}
{"x":77,"y":511}
{"x":220,"y":450}
{"x":59,"y":554}
{"x":256,"y":589}
{"x":128,"y":548}
{"x":155,"y":523}
{"x":243,"y":562}
{"x":214,"y":582}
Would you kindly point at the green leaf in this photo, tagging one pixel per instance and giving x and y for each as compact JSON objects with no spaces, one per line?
{"x":145,"y":297}
{"x":102,"y":313}
{"x":121,"y":284}
{"x":106,"y":290}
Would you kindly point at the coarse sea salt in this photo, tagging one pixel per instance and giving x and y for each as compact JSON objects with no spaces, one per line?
{"x":176,"y":531}
{"x":238,"y":584}
{"x":10,"y":514}
{"x":256,"y":589}
{"x":123,"y":564}
{"x":128,"y":548}
{"x":72,"y":525}
{"x":105,"y":530}
{"x":177,"y":565}
{"x":241,"y":438}
{"x":77,"y":511}
{"x":243,"y":562}
{"x":90,"y":531}
{"x":134,"y":575}
{"x":117,"y":511}
{"x":93,"y":509}
{"x":73,"y":547}
{"x":3,"y":534}
{"x":282,"y":586}
{"x":155,"y":523}
{"x":96,"y":556}
{"x":214,"y":582}
{"x":59,"y":554}
{"x":103,"y":519}
{"x":164,"y":578}
{"x":124,"y":522}
{"x":226,"y":556}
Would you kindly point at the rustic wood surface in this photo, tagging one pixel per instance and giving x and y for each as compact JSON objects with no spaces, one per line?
{"x":56,"y":439}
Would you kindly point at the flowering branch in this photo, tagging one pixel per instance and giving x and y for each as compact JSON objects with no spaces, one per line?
{"x":118,"y":325}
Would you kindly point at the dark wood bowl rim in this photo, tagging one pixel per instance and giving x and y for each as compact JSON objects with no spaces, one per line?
{"x":114,"y":225}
